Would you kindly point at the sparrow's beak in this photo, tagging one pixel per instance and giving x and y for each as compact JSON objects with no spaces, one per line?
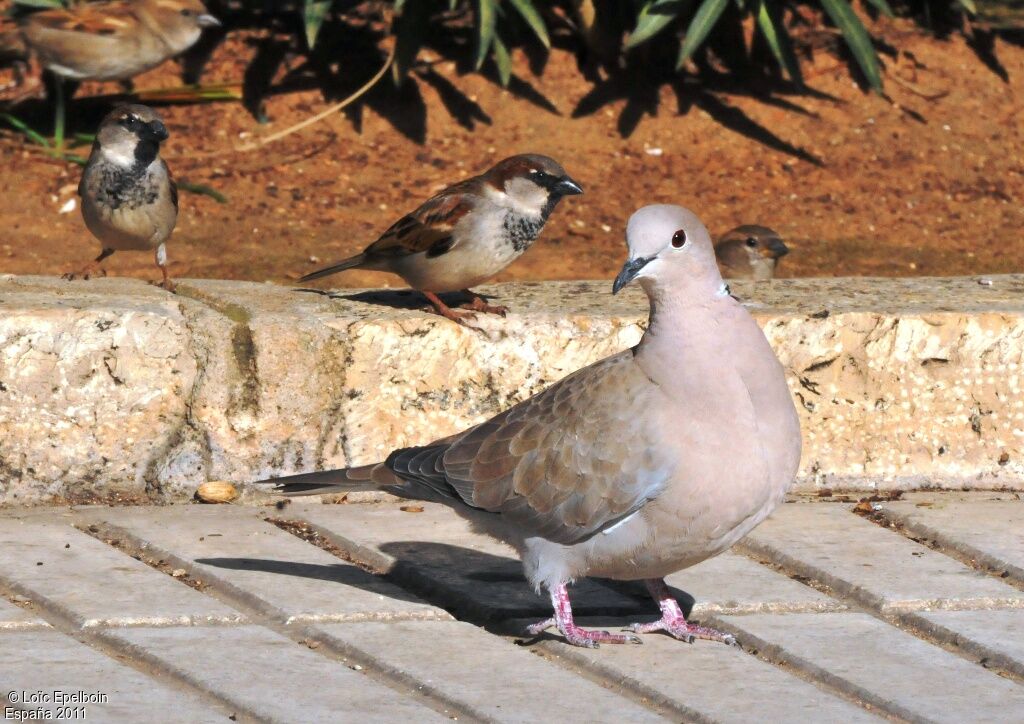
{"x":567,"y":187}
{"x":155,"y":130}
{"x":208,"y":21}
{"x":629,"y":271}
{"x":775,"y":249}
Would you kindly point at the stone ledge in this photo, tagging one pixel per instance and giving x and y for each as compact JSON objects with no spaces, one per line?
{"x":113,"y":387}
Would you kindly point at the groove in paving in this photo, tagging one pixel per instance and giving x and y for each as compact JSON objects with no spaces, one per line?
{"x":17,"y":618}
{"x":488,"y":675}
{"x":64,"y":570}
{"x":273,"y":573}
{"x":882,"y":665}
{"x":877,"y":567}
{"x":987,"y":533}
{"x":50,"y":661}
{"x":272,"y":676}
{"x":993,"y":638}
{"x":708,"y":681}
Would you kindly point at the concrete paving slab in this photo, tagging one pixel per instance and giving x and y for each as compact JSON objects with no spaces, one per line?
{"x":997,"y":637}
{"x":734,"y":583}
{"x":15,"y":618}
{"x":883,"y":665}
{"x":877,"y":566}
{"x":990,"y":531}
{"x":436,"y":553}
{"x":93,"y":584}
{"x":277,"y":574}
{"x":270,"y":677}
{"x":707,"y":681}
{"x":42,"y":663}
{"x":491,"y":677}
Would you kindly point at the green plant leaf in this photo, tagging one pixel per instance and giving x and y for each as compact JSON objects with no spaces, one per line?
{"x":856,"y":36}
{"x":969,"y":6}
{"x":40,"y":3}
{"x":654,"y":16}
{"x":883,"y":7}
{"x":769,"y":21}
{"x":313,"y":14}
{"x":703,"y":21}
{"x":529,"y":13}
{"x":504,"y":62}
{"x":486,"y":20}
{"x":24,"y":128}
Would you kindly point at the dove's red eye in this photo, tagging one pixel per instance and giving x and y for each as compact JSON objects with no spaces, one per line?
{"x":678,"y":239}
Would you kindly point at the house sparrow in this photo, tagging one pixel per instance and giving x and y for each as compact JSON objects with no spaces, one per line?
{"x":749,"y":252}
{"x":114,"y":40}
{"x":469,"y":232}
{"x":129,"y":200}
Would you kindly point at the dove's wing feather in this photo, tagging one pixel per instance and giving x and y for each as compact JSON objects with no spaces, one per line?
{"x":557,"y":465}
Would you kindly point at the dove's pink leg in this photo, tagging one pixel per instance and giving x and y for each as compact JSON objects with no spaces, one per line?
{"x":673,"y":622}
{"x":562,"y":620}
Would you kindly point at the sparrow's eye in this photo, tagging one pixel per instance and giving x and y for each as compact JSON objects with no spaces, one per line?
{"x":187,"y":13}
{"x":679,"y":239}
{"x":540,"y":176}
{"x":130,"y":121}
{"x":751,"y":241}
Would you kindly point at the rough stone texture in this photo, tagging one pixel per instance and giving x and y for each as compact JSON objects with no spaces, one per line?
{"x":134,"y":390}
{"x":267,"y":569}
{"x":874,"y":565}
{"x":269,"y":677}
{"x":458,"y":661}
{"x":883,"y":665}
{"x":48,"y":661}
{"x":988,"y":531}
{"x":69,"y":572}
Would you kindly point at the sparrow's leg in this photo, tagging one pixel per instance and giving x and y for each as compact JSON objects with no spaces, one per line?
{"x":562,"y":620}
{"x":91,"y":268}
{"x":673,"y":622}
{"x":161,"y":261}
{"x":445,"y":311}
{"x":479,"y":305}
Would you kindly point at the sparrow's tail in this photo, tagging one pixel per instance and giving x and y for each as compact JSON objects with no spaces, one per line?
{"x":351,"y":263}
{"x":346,"y":480}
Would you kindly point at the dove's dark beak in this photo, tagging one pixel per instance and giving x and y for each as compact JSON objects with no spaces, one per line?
{"x":629,"y":271}
{"x":567,"y":187}
{"x":207,"y":21}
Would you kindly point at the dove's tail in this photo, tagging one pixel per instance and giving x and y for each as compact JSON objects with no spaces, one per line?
{"x":351,"y":263}
{"x":345,"y":480}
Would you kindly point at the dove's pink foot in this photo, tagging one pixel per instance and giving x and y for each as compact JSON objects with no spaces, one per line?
{"x":562,"y":620}
{"x":673,"y":622}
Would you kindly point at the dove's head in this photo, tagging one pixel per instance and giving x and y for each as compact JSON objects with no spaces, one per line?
{"x":669,"y":248}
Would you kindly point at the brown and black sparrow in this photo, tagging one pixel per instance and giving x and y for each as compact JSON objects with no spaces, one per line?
{"x":749,"y":252}
{"x":469,"y":232}
{"x":129,"y":200}
{"x":114,"y":40}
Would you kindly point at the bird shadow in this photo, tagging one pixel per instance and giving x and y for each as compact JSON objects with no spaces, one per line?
{"x":406,"y":299}
{"x":472,"y":585}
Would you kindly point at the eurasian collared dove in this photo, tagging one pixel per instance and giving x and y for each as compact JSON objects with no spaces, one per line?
{"x":641,"y":464}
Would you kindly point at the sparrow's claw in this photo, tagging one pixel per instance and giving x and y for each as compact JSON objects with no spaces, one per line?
{"x":167,"y":284}
{"x":479,"y":305}
{"x":85,"y":273}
